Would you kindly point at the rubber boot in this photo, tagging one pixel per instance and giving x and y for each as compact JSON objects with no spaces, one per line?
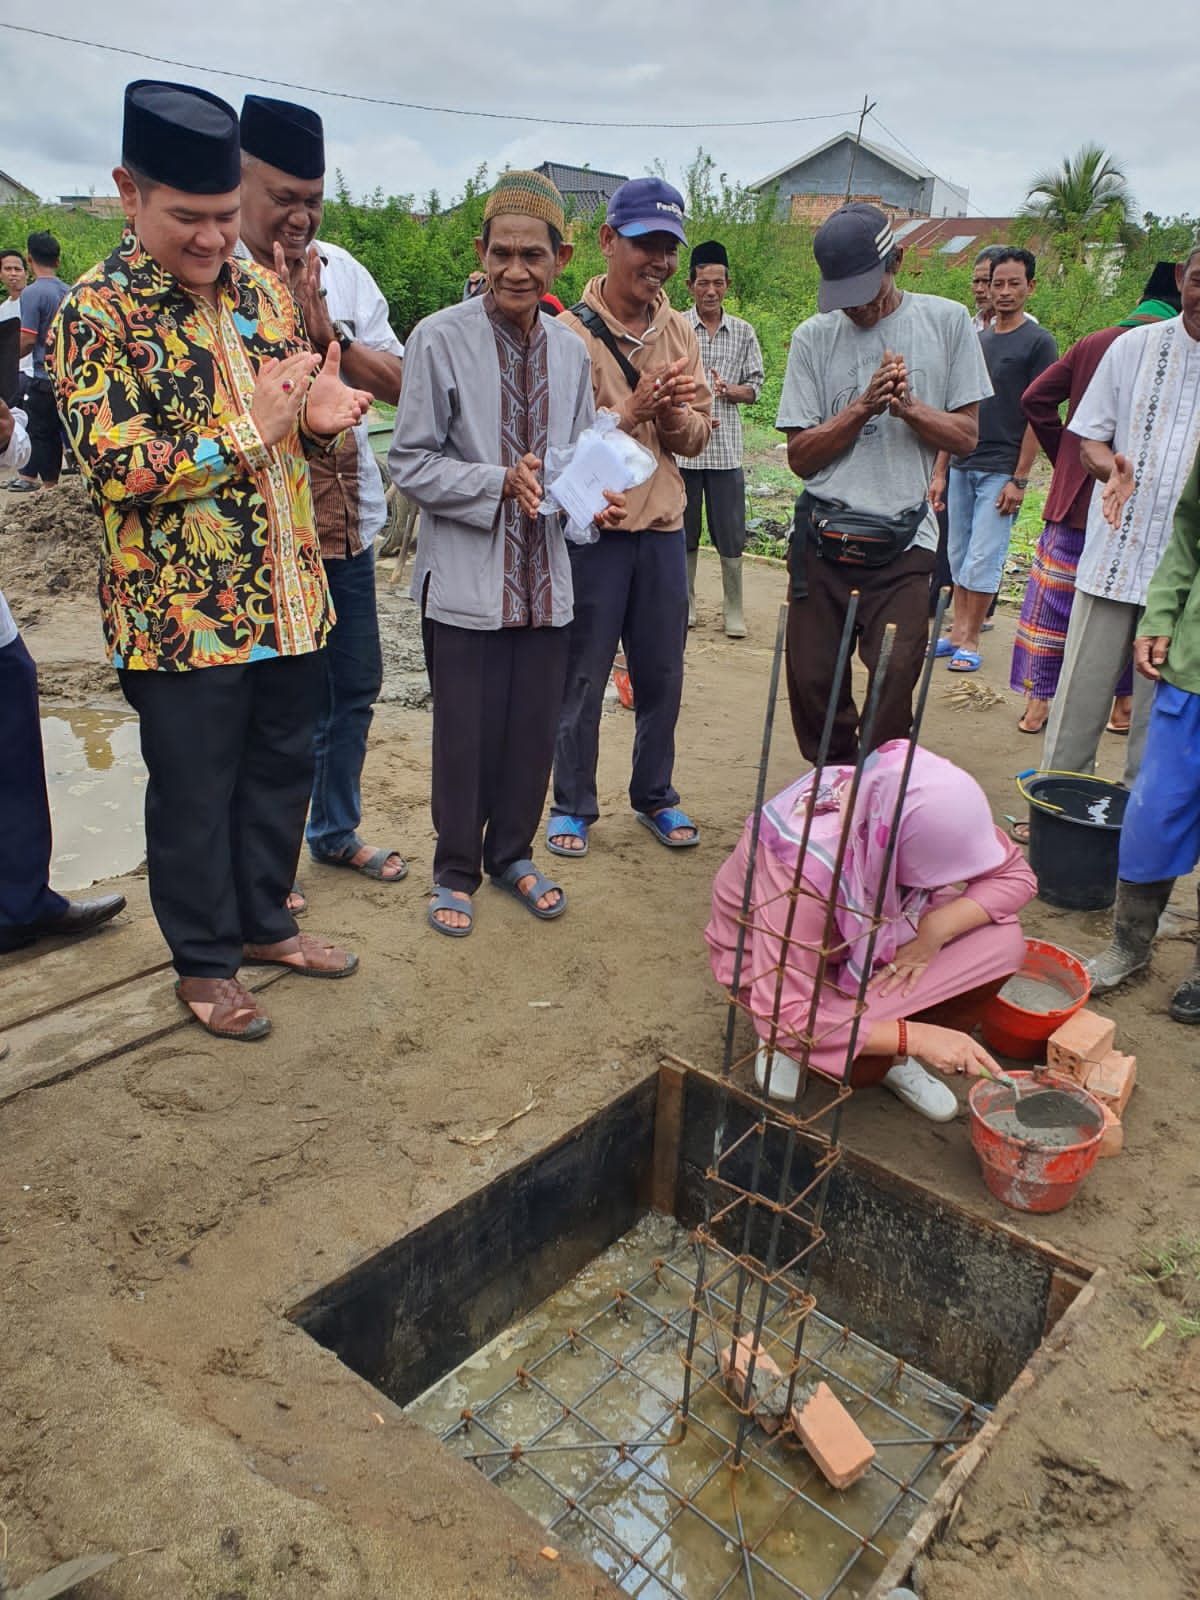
{"x":693,"y":557}
{"x":731,"y":588}
{"x":1185,"y":1002}
{"x":1135,"y":921}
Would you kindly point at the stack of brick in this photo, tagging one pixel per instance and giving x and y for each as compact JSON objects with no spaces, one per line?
{"x":1083,"y":1049}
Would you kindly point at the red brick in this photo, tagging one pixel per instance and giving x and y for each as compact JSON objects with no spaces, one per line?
{"x":1114,"y":1133}
{"x":1085,"y":1037}
{"x":1112,"y":1080}
{"x":832,"y":1437}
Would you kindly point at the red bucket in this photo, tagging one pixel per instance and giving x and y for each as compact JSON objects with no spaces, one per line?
{"x":1021,"y":1034}
{"x":1023,"y":1173}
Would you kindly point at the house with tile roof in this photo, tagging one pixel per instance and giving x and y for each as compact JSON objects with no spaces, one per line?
{"x":585,"y":190}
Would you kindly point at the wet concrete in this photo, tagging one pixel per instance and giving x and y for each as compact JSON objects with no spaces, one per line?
{"x":96,"y":782}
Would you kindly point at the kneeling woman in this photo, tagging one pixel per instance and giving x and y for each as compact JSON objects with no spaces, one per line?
{"x":941,"y":953}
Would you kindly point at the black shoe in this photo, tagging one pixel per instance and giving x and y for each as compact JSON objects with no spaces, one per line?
{"x":81,"y":916}
{"x":1185,"y":1002}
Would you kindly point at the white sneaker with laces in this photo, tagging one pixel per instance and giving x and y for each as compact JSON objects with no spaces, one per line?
{"x":923,"y":1091}
{"x":785,"y":1074}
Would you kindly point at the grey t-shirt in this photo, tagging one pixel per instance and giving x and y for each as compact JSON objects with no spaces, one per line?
{"x":1014,"y":360}
{"x":887,"y":468}
{"x":39,"y":307}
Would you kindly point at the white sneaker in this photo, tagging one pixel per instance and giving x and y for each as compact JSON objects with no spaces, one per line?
{"x":785,"y":1074}
{"x":923,"y":1091}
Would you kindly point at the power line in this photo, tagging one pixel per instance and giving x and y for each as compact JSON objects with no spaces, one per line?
{"x":410,"y":105}
{"x":896,"y":139}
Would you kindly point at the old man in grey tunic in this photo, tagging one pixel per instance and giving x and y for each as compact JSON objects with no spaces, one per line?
{"x":489,"y":385}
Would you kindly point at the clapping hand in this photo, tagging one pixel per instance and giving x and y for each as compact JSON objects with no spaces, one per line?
{"x":1117,"y":490}
{"x":332,"y":405}
{"x":521,"y":484}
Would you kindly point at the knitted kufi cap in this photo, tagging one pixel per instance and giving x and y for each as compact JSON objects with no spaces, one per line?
{"x":526,"y":194}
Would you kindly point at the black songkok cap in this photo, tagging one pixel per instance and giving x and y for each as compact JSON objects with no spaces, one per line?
{"x":1161,"y":285}
{"x":180,"y":136}
{"x":709,"y":254}
{"x":284,"y":135}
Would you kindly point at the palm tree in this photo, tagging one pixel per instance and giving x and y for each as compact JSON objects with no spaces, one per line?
{"x":1087,"y":189}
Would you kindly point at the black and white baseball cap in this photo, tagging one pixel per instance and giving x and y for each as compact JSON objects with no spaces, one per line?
{"x":851,"y":247}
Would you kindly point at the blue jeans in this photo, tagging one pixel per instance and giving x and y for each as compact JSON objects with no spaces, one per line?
{"x":353,"y":675}
{"x":630,"y":588}
{"x":979,"y":534}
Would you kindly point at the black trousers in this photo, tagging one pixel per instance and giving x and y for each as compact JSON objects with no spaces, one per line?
{"x":896,"y":593}
{"x":229,"y":752}
{"x":497,"y":694}
{"x":45,"y":432}
{"x":25,"y":893}
{"x":723,"y":493}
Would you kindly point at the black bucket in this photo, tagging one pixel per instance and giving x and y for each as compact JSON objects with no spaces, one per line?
{"x":1074,"y":837}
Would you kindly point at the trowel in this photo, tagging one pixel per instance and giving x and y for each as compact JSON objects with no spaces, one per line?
{"x":1040,"y":1108}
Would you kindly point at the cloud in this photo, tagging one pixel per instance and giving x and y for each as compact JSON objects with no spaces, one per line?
{"x":984,"y":100}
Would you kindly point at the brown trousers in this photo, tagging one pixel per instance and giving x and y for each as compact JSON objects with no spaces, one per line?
{"x":963,"y":1013}
{"x":896,"y":593}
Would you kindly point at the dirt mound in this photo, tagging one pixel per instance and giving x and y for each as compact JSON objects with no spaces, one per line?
{"x":49,"y":546}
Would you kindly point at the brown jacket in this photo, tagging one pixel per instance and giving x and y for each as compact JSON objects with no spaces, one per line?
{"x":658,"y":504}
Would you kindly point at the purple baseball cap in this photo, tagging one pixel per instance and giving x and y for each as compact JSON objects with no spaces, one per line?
{"x":851,"y":248}
{"x":646,"y":205}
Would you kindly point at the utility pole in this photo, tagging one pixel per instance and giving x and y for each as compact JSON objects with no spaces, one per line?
{"x":862,"y":117}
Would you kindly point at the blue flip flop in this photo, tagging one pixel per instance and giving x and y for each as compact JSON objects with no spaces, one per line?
{"x":965,"y":661}
{"x":445,"y":900}
{"x":541,"y":885}
{"x":662,"y":825}
{"x":560,"y":827}
{"x":944,"y":648}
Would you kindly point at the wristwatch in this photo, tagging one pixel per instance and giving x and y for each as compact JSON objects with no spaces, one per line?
{"x":1021,"y":483}
{"x":344,"y":334}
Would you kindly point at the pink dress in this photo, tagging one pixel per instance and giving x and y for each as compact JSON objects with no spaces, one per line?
{"x":981,"y":956}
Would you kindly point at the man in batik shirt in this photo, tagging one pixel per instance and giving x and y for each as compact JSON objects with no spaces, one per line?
{"x":190,"y":396}
{"x":489,"y":385}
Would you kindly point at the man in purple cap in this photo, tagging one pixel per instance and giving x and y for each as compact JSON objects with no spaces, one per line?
{"x":876,"y":384}
{"x":631,"y":585}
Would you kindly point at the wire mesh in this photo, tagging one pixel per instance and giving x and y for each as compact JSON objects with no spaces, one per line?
{"x":711,"y":1495}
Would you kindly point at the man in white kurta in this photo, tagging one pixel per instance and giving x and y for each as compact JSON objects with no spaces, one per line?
{"x":1140,"y":426}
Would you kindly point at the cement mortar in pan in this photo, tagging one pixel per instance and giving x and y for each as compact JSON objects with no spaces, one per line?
{"x":808,"y":1538}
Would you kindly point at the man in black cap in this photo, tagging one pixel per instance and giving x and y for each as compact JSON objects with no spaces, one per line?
{"x":876,"y":384}
{"x":734,"y":366}
{"x":283,"y":186}
{"x":191,"y":398}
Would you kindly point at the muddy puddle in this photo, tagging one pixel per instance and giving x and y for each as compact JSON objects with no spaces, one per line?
{"x":97,"y":783}
{"x":587,"y":1384}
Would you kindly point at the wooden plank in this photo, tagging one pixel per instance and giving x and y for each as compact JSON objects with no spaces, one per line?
{"x":57,"y":972}
{"x":60,"y":1043}
{"x":668,"y":1131}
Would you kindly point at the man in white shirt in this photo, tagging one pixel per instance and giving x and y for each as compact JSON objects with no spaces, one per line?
{"x":1140,"y":426}
{"x":283,"y":170}
{"x":29,"y":908}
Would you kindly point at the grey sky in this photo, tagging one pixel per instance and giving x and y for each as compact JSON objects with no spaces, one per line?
{"x":983,"y":96}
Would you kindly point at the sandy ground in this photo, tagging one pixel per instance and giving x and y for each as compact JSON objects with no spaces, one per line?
{"x":161,"y":1211}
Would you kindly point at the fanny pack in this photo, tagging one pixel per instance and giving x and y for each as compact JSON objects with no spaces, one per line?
{"x":847,"y":537}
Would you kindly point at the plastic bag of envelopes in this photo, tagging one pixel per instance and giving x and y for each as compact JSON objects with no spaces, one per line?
{"x":576,"y":475}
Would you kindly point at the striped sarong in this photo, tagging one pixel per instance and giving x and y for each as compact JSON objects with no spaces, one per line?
{"x":1045,"y":613}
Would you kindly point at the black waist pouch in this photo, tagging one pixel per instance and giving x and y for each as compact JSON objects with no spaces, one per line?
{"x":846,"y":537}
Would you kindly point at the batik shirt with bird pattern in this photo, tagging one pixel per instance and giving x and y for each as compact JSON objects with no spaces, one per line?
{"x":210,"y":552}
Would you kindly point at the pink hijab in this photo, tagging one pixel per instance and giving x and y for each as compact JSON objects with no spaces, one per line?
{"x":946,"y":836}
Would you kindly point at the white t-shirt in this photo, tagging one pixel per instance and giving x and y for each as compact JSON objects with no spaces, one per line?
{"x":15,"y":454}
{"x":1144,"y":400}
{"x":888,"y":467}
{"x":353,"y":297}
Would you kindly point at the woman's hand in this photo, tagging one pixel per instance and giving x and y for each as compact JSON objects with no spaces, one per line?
{"x":948,"y":1050}
{"x":907,"y":968}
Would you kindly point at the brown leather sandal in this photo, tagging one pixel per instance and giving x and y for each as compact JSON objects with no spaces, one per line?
{"x":235,"y":1011}
{"x":320,"y":958}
